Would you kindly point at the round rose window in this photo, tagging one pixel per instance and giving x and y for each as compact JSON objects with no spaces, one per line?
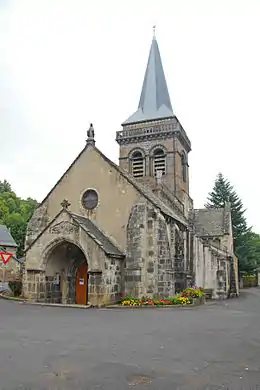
{"x":90,"y":199}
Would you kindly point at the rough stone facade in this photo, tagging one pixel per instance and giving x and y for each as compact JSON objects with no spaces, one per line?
{"x":62,"y":247}
{"x":132,"y":225}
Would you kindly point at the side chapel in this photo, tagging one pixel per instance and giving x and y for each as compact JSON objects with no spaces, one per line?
{"x":104,"y":229}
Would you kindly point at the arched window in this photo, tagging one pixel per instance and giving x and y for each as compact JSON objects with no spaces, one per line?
{"x":184,"y":166}
{"x":159,"y":162}
{"x":137,"y":164}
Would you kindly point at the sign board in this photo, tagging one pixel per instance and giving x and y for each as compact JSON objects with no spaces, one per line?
{"x":5,"y":257}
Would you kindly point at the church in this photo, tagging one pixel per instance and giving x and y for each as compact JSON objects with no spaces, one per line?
{"x":105,"y":229}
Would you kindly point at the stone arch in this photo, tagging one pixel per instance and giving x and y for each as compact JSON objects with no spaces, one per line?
{"x":155,"y":147}
{"x":56,"y":242}
{"x":137,"y":162}
{"x":158,"y":160}
{"x":62,"y":258}
{"x":138,"y":149}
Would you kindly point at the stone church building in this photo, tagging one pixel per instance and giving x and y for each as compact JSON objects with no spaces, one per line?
{"x":104,"y":229}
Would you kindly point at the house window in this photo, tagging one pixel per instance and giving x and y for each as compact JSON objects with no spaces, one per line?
{"x":184,"y":166}
{"x":159,"y":162}
{"x":137,"y":164}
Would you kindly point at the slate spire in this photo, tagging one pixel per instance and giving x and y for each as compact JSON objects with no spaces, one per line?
{"x":154,"y":101}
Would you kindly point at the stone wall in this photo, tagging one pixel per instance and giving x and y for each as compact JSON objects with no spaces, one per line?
{"x":137,"y":241}
{"x":179,"y":260}
{"x":149,"y":258}
{"x":47,"y":260}
{"x":166,"y":282}
{"x":104,"y":286}
{"x":212,"y":268}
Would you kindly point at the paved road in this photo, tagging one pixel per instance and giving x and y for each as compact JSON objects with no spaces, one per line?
{"x":210,"y":347}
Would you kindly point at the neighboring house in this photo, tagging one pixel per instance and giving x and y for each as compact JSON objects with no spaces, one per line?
{"x":7,"y":244}
{"x":106,"y":228}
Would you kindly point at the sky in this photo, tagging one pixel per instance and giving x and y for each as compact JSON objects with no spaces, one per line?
{"x":66,"y":63}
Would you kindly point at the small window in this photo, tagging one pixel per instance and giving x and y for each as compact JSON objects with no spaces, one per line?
{"x":137,"y":164}
{"x":159,"y":163}
{"x":184,"y":166}
{"x":90,"y":199}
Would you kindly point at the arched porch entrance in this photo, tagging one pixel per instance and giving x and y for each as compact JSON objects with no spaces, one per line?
{"x":66,"y":274}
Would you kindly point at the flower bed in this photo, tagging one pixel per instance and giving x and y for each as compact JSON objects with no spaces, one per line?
{"x":187,"y":297}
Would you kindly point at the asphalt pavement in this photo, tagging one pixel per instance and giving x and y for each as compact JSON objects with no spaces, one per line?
{"x":209,"y":347}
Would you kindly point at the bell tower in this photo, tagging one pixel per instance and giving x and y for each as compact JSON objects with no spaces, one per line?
{"x":153,"y":144}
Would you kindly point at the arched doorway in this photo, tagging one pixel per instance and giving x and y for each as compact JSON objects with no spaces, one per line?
{"x":66,"y":274}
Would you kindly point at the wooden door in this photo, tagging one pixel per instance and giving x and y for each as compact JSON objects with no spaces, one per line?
{"x":82,"y":285}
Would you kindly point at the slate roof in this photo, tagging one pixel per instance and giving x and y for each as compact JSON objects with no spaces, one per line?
{"x":98,"y":235}
{"x":211,"y":222}
{"x":154,"y":101}
{"x":6,"y":238}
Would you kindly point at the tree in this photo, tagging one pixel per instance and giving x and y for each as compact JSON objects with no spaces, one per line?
{"x":5,"y":186}
{"x":223,"y":193}
{"x":246,"y":243}
{"x":248,"y":250}
{"x":15,"y":213}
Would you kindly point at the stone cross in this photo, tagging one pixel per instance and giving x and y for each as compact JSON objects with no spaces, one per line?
{"x":65,"y":204}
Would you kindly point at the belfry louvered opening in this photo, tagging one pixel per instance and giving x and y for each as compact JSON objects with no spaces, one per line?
{"x":159,"y":163}
{"x":137,"y":164}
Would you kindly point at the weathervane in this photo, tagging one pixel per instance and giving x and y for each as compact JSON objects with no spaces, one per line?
{"x":154,"y":28}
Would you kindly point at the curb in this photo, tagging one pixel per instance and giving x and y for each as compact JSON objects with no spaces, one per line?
{"x":153,"y":307}
{"x":25,"y":302}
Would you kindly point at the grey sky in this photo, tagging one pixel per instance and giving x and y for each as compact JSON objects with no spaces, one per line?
{"x":64,"y":64}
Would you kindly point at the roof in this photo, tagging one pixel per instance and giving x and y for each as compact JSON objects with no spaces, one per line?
{"x":101,"y":239}
{"x":154,"y":101}
{"x":211,"y":222}
{"x":6,"y":238}
{"x":98,"y":235}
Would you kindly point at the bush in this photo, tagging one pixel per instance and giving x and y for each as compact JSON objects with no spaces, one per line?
{"x":193,"y":292}
{"x":16,"y":287}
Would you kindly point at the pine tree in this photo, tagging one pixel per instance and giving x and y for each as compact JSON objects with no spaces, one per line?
{"x":223,"y":193}
{"x":246,"y":243}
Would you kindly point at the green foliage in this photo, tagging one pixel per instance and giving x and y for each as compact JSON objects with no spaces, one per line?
{"x":248,"y":251}
{"x":16,"y":287}
{"x":223,"y":193}
{"x":246,"y":243}
{"x":15,"y":213}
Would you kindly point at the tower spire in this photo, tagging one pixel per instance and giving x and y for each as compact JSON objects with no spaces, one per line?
{"x":154,"y":101}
